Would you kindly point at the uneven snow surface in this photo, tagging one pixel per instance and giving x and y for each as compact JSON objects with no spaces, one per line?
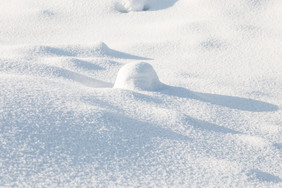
{"x":215,"y":122}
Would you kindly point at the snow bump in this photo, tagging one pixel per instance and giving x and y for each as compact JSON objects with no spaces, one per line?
{"x":138,"y":76}
{"x":126,"y":6}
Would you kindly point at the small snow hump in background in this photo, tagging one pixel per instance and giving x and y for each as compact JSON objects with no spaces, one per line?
{"x":125,"y":6}
{"x":131,"y":5}
{"x":138,"y":76}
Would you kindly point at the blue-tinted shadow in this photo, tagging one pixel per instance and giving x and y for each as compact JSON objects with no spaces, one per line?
{"x":232,"y":102}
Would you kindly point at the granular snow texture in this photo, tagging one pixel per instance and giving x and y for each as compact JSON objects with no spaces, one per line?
{"x":76,"y":111}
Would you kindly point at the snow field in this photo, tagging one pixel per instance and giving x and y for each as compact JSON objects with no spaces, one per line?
{"x":77,"y":112}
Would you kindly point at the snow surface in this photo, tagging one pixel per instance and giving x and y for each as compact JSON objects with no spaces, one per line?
{"x":216,"y":122}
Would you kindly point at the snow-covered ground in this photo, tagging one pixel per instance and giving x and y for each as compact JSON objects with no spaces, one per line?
{"x":206,"y":113}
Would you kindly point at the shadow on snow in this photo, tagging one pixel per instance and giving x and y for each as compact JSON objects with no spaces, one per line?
{"x":232,"y":102}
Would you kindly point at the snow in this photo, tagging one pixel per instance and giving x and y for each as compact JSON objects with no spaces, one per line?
{"x":131,"y":5}
{"x":138,"y":76}
{"x":156,"y":93}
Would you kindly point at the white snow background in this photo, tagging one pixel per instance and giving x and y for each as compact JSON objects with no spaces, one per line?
{"x":210,"y":118}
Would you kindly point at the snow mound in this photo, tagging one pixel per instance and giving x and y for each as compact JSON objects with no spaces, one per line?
{"x":126,"y":6}
{"x":138,"y":76}
{"x":132,"y":5}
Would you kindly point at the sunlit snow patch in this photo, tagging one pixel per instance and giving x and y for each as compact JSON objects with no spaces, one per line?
{"x":138,"y":76}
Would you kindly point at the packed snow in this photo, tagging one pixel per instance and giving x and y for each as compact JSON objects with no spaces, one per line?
{"x":148,"y":93}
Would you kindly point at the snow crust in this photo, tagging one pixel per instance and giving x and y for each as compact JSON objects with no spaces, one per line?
{"x":214,"y":120}
{"x":138,"y":76}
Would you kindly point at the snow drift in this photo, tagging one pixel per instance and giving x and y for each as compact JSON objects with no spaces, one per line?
{"x":217,"y":122}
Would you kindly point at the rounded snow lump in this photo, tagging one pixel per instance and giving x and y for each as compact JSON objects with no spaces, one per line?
{"x":134,"y":5}
{"x":137,"y":76}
